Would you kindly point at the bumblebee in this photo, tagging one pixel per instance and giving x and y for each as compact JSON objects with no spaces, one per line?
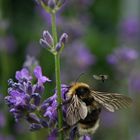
{"x":85,"y":104}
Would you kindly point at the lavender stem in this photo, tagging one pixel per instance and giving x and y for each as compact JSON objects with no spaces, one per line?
{"x":57,"y":75}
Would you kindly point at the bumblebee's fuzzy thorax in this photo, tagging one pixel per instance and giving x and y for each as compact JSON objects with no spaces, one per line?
{"x":77,"y":88}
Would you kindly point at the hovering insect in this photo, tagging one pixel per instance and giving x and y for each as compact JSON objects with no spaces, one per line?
{"x":100,"y":77}
{"x":84,"y":106}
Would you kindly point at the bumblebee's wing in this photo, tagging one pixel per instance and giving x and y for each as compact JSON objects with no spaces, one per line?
{"x":110,"y":101}
{"x":76,"y":110}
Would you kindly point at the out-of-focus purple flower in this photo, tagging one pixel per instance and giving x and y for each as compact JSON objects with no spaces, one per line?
{"x":38,"y":74}
{"x":33,"y":49}
{"x":5,"y":137}
{"x":82,"y":58}
{"x":7,"y":44}
{"x":112,"y":59}
{"x":73,"y":27}
{"x":134,"y":82}
{"x":85,"y":137}
{"x":23,"y":75}
{"x":30,"y":63}
{"x":2,"y":120}
{"x":122,"y":55}
{"x":46,"y":16}
{"x":51,"y":4}
{"x":76,"y":55}
{"x":130,"y":28}
{"x":137,"y":137}
{"x":110,"y":119}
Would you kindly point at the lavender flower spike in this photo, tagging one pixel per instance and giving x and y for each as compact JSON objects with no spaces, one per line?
{"x":38,"y":74}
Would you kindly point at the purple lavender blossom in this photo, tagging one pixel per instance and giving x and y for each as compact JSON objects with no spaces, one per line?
{"x":25,"y":96}
{"x":23,"y":74}
{"x":38,"y":74}
{"x":50,"y":105}
{"x":18,"y":99}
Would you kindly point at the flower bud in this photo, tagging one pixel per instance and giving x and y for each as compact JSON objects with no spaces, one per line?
{"x":63,"y":38}
{"x":48,"y":38}
{"x":35,"y":127}
{"x":52,"y":4}
{"x":58,"y":47}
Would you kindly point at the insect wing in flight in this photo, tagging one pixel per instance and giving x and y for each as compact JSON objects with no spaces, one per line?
{"x":110,"y":101}
{"x":76,"y":110}
{"x":100,"y":77}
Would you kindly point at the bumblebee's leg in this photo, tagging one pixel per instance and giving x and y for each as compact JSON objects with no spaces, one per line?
{"x":73,"y":133}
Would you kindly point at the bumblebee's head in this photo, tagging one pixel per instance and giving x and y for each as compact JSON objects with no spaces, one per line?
{"x":82,"y":90}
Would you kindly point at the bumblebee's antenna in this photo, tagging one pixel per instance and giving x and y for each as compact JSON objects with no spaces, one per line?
{"x":79,"y":77}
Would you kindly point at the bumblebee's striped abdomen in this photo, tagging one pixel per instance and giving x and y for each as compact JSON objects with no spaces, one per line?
{"x":91,"y":118}
{"x":90,"y":124}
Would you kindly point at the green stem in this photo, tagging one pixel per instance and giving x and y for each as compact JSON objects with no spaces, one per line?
{"x":54,"y":30}
{"x":57,"y":75}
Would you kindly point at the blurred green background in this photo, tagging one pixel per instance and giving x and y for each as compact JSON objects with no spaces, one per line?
{"x":103,"y":39}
